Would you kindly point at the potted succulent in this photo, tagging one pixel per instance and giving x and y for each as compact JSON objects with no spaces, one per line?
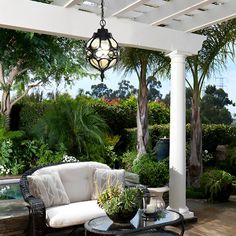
{"x":120,"y":204}
{"x":218,"y":185}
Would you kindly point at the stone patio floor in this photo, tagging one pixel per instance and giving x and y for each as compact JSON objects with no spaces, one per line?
{"x":213,"y":219}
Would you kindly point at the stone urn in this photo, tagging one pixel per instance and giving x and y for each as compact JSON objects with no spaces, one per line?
{"x":156,"y":199}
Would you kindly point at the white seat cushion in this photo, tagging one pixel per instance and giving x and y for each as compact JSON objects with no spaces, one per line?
{"x":73,"y":214}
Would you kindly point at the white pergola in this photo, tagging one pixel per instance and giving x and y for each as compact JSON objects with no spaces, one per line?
{"x":161,"y":25}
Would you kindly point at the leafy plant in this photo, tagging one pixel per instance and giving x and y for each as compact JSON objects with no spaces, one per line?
{"x":128,"y":160}
{"x":151,"y":172}
{"x":75,"y":125}
{"x":46,"y":156}
{"x":217,"y":184}
{"x":116,"y":200}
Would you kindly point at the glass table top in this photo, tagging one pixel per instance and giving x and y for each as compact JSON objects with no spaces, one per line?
{"x":106,"y":226}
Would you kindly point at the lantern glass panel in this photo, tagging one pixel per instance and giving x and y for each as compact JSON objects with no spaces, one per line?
{"x":105,"y":45}
{"x":113,"y":62}
{"x":113,"y":43}
{"x":94,"y":63}
{"x":95,"y":43}
{"x":103,"y":63}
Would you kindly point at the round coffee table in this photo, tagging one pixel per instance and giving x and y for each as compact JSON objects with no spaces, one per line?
{"x":104,"y":226}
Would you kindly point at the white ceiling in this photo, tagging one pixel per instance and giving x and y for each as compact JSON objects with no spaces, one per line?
{"x":165,"y":25}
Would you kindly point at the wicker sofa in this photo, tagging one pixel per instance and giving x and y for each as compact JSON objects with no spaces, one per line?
{"x":70,"y":205}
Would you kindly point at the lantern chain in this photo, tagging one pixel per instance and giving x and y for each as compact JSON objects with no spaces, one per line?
{"x":102,"y":21}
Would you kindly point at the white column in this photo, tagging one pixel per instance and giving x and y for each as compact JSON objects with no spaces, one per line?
{"x":177,"y":157}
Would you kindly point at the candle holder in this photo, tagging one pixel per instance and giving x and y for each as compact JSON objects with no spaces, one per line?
{"x":149,"y":207}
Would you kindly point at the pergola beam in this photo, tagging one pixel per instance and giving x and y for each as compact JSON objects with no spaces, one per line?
{"x":172,"y":10}
{"x":216,"y":15}
{"x":69,"y":22}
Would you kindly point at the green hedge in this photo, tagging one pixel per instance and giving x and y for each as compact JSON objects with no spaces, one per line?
{"x":212,"y":135}
{"x":30,"y":113}
{"x":217,"y":134}
{"x":118,"y":114}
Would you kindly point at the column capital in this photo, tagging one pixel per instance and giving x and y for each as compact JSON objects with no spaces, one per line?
{"x":178,"y":54}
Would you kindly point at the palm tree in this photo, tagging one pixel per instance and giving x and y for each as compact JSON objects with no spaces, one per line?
{"x":143,"y":63}
{"x":217,"y":49}
{"x":77,"y":126}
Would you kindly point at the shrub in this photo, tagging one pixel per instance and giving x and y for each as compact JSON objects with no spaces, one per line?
{"x":195,"y":193}
{"x":217,"y":134}
{"x":212,"y":135}
{"x":229,"y":164}
{"x":217,"y":184}
{"x":121,"y":114}
{"x":158,"y":113}
{"x":151,"y":172}
{"x":30,"y":113}
{"x":117,"y":117}
{"x":128,"y":159}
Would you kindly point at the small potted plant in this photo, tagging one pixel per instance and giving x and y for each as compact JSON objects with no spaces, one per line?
{"x":218,"y":185}
{"x":155,"y":175}
{"x":120,"y":204}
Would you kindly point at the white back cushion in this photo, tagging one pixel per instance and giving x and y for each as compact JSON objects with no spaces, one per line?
{"x":105,"y":178}
{"x":77,"y":178}
{"x":48,"y":188}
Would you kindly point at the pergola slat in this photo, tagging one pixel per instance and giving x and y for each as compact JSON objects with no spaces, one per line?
{"x":122,"y":6}
{"x":171,"y":10}
{"x":218,"y":14}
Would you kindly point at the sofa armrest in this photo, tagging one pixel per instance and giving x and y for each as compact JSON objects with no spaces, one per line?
{"x":37,"y":216}
{"x":37,"y":210}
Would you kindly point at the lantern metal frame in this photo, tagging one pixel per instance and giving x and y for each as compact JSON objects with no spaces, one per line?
{"x":102,"y":50}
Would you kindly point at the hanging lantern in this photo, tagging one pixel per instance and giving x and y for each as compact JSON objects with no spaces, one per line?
{"x":102,"y":50}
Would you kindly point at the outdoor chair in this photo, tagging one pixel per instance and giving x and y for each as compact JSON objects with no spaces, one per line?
{"x":62,"y":197}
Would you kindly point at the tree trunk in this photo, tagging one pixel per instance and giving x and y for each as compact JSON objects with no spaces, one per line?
{"x":142,"y":114}
{"x":6,"y":108}
{"x":195,"y":163}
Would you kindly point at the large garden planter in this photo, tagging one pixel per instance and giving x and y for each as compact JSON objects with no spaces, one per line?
{"x":224,"y":194}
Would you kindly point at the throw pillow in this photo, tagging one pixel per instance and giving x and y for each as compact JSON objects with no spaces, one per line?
{"x":48,"y":188}
{"x":104,"y":178}
{"x":131,"y":178}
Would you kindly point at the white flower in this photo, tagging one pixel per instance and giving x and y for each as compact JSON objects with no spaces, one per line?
{"x":69,"y":159}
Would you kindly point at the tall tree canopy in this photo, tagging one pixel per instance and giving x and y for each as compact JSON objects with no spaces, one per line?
{"x":124,"y":91}
{"x":99,"y":91}
{"x":30,"y":59}
{"x":153,"y":89}
{"x":216,"y":50}
{"x":213,"y":106}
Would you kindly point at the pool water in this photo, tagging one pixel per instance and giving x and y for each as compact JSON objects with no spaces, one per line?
{"x":10,"y":191}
